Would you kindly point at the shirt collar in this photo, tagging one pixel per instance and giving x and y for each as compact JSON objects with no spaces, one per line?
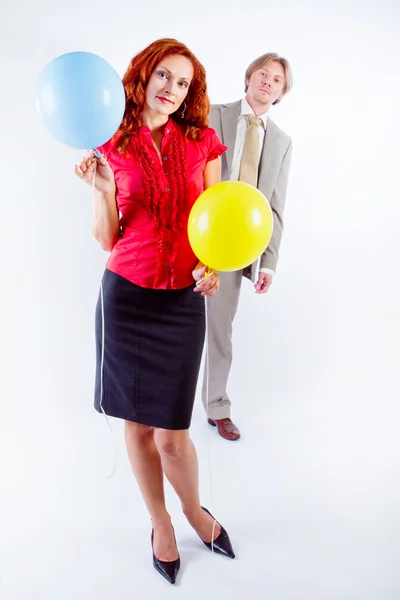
{"x":246,"y":109}
{"x":170,"y":127}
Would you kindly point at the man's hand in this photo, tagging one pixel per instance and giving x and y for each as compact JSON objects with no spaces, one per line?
{"x":263,"y":283}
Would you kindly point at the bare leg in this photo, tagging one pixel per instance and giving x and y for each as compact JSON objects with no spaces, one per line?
{"x":146,"y":465}
{"x":179,"y":462}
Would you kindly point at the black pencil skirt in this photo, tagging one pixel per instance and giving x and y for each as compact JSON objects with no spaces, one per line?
{"x":149,"y":345}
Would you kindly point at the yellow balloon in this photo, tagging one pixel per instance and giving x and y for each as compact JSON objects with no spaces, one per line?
{"x":230,"y":225}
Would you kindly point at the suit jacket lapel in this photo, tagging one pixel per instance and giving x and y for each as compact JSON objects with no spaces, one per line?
{"x":229,"y":120}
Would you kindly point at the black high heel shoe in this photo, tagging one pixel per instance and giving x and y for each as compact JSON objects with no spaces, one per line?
{"x":222,"y":545}
{"x":168,"y":569}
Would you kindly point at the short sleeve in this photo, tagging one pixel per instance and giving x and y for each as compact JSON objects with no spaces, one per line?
{"x":105,"y":149}
{"x":214,"y":145}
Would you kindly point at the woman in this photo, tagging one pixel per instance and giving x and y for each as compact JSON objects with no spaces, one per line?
{"x":150,"y":318}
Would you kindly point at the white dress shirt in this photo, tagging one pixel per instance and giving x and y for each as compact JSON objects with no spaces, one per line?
{"x":238,"y":151}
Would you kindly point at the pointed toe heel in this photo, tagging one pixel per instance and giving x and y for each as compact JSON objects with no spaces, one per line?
{"x":168,"y":569}
{"x":222,"y":545}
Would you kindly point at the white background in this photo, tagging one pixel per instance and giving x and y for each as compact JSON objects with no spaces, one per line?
{"x":310,"y":495}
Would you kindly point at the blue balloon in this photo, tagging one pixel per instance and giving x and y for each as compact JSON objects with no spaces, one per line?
{"x":81,"y":99}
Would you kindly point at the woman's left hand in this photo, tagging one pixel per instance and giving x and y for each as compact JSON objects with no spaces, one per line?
{"x":210,"y":285}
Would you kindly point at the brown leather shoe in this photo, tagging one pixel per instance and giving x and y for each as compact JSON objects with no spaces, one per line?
{"x":226,"y":429}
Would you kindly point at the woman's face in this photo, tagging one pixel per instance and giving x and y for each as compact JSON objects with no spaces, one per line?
{"x":169,"y":84}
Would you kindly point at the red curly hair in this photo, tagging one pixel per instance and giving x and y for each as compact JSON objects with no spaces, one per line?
{"x":135,"y":82}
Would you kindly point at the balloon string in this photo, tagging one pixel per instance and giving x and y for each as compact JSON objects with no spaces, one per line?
{"x":103,"y":345}
{"x":207,"y":273}
{"x":96,"y":155}
{"x":93,"y":188}
{"x":207,"y":369}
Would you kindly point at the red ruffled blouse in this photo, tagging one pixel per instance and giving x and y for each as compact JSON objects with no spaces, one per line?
{"x":154,"y":199}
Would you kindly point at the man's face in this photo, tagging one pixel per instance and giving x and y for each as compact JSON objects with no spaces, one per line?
{"x":266,"y":84}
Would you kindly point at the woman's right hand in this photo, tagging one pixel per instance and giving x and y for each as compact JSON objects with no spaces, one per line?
{"x":104,"y":178}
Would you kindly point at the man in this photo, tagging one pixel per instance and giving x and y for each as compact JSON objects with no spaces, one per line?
{"x":259,"y":153}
